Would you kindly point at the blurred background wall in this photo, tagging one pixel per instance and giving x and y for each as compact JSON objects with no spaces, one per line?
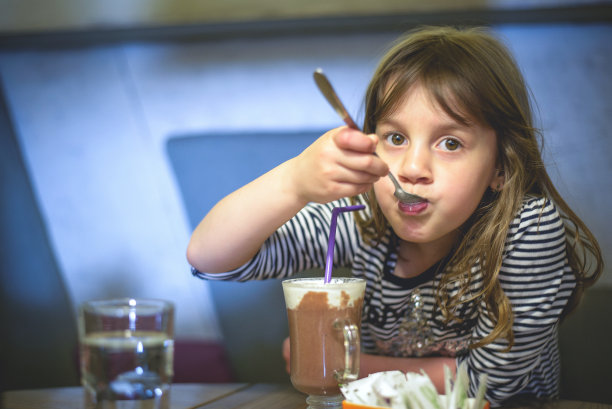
{"x":91,"y":95}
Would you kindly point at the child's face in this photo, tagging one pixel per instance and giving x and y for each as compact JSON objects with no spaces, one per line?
{"x":433,"y":156}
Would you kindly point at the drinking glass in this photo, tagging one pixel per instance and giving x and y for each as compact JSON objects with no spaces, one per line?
{"x":126,"y":350}
{"x":324,"y":322}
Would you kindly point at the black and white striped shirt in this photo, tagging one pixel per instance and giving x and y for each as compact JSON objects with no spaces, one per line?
{"x":400,"y":317}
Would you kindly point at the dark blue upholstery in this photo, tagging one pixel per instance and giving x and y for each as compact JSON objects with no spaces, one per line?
{"x":38,"y":340}
{"x":586,"y":352}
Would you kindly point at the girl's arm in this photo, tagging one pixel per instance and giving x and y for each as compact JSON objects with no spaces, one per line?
{"x":433,"y":366}
{"x":338,"y":164}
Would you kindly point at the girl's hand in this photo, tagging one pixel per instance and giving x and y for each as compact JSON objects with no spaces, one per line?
{"x":338,"y":164}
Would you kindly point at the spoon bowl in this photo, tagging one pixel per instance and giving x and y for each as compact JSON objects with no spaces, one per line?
{"x":328,"y":92}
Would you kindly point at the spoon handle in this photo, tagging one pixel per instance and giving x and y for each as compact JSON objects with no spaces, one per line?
{"x":330,"y":95}
{"x":328,"y":92}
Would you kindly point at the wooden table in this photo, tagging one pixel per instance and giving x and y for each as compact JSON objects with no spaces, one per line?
{"x":182,"y":396}
{"x":214,"y":396}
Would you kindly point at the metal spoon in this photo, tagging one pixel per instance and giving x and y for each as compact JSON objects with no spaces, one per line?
{"x":328,"y":92}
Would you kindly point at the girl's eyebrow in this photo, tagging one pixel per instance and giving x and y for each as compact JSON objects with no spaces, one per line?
{"x":446,"y":125}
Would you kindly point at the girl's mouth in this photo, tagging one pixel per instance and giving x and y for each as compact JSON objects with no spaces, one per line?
{"x":413,"y":208}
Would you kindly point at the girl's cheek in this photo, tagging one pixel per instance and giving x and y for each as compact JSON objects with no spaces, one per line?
{"x":378,"y":187}
{"x":384,"y":184}
{"x":383,"y":191}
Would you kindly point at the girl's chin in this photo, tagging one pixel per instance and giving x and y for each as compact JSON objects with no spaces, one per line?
{"x":413,"y":238}
{"x":424,"y":236}
{"x":412,"y":232}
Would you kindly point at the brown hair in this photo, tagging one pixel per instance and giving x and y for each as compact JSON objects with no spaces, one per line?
{"x":473,"y":77}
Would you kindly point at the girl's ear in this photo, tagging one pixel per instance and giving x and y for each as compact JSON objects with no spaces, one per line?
{"x":497,"y":183}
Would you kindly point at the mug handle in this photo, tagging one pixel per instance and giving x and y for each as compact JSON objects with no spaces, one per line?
{"x":350,"y":334}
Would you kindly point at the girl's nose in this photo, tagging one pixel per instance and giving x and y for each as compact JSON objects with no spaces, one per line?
{"x":415,"y":166}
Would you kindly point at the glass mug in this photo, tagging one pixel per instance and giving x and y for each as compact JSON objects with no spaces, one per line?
{"x":126,"y":350}
{"x":324,"y":324}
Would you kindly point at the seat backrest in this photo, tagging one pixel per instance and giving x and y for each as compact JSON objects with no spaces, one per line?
{"x":586,"y":355}
{"x":38,"y":339}
{"x":251,"y":315}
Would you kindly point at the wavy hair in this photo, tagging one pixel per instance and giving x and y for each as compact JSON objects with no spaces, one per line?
{"x":473,"y":77}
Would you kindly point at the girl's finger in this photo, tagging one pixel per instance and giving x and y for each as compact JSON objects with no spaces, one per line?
{"x":354,"y":140}
{"x":364,"y":162}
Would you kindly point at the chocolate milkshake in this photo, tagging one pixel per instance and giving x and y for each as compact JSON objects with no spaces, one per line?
{"x":321,"y":316}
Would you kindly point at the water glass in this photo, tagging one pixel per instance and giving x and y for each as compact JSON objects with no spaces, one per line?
{"x":126,"y":351}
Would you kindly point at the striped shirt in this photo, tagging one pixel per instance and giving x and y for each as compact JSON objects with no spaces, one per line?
{"x":400,"y":317}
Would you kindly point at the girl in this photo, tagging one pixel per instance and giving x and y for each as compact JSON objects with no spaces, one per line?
{"x":480,"y":271}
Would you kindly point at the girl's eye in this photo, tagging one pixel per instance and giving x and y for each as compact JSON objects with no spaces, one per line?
{"x":449,"y":144}
{"x":396,"y":139}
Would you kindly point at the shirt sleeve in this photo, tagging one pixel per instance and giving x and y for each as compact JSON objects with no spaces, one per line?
{"x":298,"y":245}
{"x":536,"y":278}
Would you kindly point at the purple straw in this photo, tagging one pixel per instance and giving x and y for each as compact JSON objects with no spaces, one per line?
{"x":329,"y":262}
